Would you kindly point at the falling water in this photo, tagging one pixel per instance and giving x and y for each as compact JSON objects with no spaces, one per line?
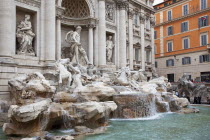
{"x":67,"y":119}
{"x":135,"y":105}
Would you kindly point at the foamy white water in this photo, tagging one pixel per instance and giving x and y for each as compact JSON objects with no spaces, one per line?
{"x":154,"y":117}
{"x":67,"y":131}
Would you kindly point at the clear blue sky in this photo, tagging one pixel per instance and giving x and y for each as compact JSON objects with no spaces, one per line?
{"x":157,"y":1}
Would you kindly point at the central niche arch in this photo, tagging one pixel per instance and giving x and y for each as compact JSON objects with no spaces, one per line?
{"x":76,"y":8}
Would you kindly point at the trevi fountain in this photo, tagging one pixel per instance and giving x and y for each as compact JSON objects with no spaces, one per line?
{"x":79,"y":69}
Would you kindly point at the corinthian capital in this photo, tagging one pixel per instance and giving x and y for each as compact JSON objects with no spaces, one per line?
{"x":142,"y":17}
{"x":152,"y":21}
{"x":130,"y":13}
{"x":91,"y":25}
{"x":59,"y":12}
{"x":122,"y":5}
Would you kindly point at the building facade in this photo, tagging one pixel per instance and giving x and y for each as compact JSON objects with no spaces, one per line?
{"x":34,"y":34}
{"x":182,"y":39}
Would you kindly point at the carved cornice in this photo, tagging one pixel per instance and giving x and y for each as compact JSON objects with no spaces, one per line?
{"x":34,"y":3}
{"x":76,"y":21}
{"x":110,"y":26}
{"x":144,"y":6}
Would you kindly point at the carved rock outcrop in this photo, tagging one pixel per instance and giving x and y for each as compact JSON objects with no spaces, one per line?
{"x":97,"y":91}
{"x":28,"y":87}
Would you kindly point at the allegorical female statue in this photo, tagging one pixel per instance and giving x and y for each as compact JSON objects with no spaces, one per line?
{"x":25,"y":37}
{"x":109,"y":49}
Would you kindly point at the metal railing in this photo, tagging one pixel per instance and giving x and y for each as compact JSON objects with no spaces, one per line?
{"x":193,"y":10}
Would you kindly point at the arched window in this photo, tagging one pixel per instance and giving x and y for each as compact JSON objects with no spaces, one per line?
{"x":76,"y":8}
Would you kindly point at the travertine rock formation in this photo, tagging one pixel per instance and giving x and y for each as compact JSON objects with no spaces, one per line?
{"x":88,"y":99}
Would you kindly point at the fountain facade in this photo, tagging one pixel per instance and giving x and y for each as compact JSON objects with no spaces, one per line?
{"x":94,"y":81}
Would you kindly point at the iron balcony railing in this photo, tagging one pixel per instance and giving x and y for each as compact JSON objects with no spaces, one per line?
{"x":191,"y":11}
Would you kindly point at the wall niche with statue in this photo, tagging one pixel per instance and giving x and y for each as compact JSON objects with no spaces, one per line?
{"x":26,"y":32}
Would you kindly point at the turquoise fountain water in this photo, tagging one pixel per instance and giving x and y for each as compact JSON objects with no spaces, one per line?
{"x":169,"y":126}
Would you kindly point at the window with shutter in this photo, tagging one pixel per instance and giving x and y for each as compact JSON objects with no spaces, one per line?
{"x":169,"y":46}
{"x":186,"y":60}
{"x":203,"y":4}
{"x":185,"y":10}
{"x":203,"y":39}
{"x":169,"y":62}
{"x":169,"y":15}
{"x":184,"y":26}
{"x":204,"y":58}
{"x":185,"y":43}
{"x":172,"y":62}
{"x":170,"y":30}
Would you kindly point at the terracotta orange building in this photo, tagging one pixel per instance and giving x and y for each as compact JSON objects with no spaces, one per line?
{"x":182,"y":39}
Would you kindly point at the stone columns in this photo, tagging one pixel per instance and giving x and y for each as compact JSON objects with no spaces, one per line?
{"x":7,"y":31}
{"x":50,"y":21}
{"x":142,"y":26}
{"x":90,"y":41}
{"x":102,"y":33}
{"x":130,"y":31}
{"x":59,"y":16}
{"x":95,"y":42}
{"x":122,"y":33}
{"x":58,"y":39}
{"x":153,"y":41}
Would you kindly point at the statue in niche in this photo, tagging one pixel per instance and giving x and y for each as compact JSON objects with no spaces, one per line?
{"x":109,"y":49}
{"x":76,"y":49}
{"x":25,"y":37}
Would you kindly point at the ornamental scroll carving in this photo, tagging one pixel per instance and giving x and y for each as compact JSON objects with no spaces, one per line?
{"x":110,"y":12}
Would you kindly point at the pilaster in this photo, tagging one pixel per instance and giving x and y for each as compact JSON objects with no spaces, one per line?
{"x":102,"y":33}
{"x":59,"y":16}
{"x":122,"y":6}
{"x":152,"y":21}
{"x":7,"y":32}
{"x":50,"y":21}
{"x":142,"y":26}
{"x":90,"y":42}
{"x":130,"y":31}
